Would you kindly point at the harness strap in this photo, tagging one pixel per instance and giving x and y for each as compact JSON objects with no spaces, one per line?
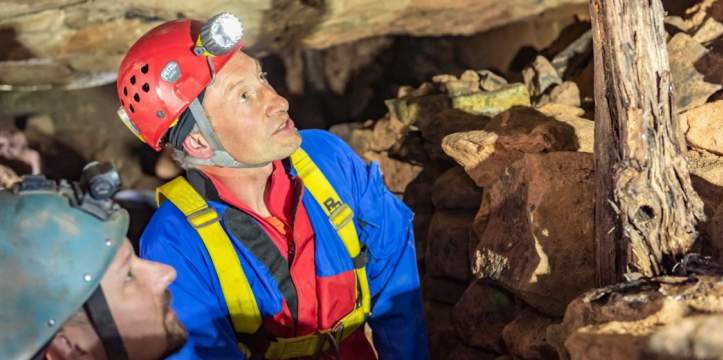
{"x":340,"y":215}
{"x":242,"y":307}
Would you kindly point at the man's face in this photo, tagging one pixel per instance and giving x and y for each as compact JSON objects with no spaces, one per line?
{"x":249,"y":118}
{"x":137,"y":293}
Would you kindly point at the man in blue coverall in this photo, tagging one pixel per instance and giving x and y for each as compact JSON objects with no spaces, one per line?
{"x":285,"y":242}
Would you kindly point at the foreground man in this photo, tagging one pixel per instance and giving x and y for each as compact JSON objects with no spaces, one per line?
{"x":72,"y":287}
{"x":283,"y":251}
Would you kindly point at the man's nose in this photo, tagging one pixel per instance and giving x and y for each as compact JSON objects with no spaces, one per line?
{"x":277,"y":105}
{"x":163,"y":275}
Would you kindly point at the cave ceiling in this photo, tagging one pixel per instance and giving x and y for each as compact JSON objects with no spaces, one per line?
{"x":80,"y":43}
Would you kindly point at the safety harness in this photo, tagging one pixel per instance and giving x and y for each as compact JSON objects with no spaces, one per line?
{"x":240,"y":300}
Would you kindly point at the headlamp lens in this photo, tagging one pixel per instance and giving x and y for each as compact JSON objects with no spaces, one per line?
{"x":226,"y":30}
{"x":220,"y":34}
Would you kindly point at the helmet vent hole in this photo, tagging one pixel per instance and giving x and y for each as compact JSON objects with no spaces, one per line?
{"x":137,"y":98}
{"x":123,"y":103}
{"x":144,"y":69}
{"x":132,"y":110}
{"x":125,"y":91}
{"x":133,"y":80}
{"x":146,"y":88}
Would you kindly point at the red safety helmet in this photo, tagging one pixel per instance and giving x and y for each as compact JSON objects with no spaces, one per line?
{"x":161,"y":75}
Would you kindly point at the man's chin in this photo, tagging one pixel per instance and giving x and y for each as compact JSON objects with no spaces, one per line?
{"x":176,"y":338}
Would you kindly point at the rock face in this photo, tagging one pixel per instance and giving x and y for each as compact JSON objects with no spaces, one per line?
{"x":526,"y":337}
{"x":482,"y":314}
{"x":540,"y":76}
{"x":82,"y":42}
{"x":447,"y":244}
{"x":702,"y":127}
{"x":484,"y":154}
{"x":684,"y":52}
{"x":525,"y":247}
{"x":451,"y":121}
{"x":696,"y":337}
{"x":455,"y":190}
{"x":643,"y":320}
{"x":491,"y":103}
{"x":374,"y":145}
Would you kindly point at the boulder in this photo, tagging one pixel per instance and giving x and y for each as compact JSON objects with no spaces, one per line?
{"x":539,"y":240}
{"x":491,"y":103}
{"x":456,"y":190}
{"x":617,"y":322}
{"x":443,"y":290}
{"x":526,"y":336}
{"x":480,"y":224}
{"x":467,"y":84}
{"x":387,"y":132}
{"x":482,"y":314}
{"x":452,"y":121}
{"x":690,"y":87}
{"x":447,"y":244}
{"x":485,"y":153}
{"x":566,"y":93}
{"x":463,"y":352}
{"x":358,"y":135}
{"x":714,"y":234}
{"x":709,"y":31}
{"x":410,"y":148}
{"x":423,"y":90}
{"x":441,"y":329}
{"x":696,"y":337}
{"x":702,"y":127}
{"x":490,"y":81}
{"x":414,"y":110}
{"x":584,"y":131}
{"x":571,"y":59}
{"x":397,"y":174}
{"x":706,"y":174}
{"x":553,"y":109}
{"x":540,"y":76}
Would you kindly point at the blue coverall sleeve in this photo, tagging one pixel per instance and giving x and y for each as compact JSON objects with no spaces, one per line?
{"x":169,"y":239}
{"x":397,"y":321}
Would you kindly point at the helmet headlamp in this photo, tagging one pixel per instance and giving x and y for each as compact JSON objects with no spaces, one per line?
{"x":220,"y":34}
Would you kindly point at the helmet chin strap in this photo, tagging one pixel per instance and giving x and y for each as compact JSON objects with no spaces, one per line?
{"x":220,"y":156}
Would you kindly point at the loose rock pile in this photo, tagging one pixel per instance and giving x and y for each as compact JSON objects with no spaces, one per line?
{"x":501,"y":178}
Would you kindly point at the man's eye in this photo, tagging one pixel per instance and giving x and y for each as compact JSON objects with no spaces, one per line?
{"x":129,"y":277}
{"x":243,"y":98}
{"x":262,"y":77}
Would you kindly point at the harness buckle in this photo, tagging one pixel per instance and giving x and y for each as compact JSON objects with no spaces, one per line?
{"x":192,"y":217}
{"x":343,"y":210}
{"x":331,"y":339}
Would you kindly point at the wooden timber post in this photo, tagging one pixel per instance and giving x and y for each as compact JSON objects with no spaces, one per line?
{"x":646,"y":208}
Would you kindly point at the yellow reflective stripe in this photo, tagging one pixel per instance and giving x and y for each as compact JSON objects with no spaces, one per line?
{"x":242,"y":307}
{"x":329,"y":200}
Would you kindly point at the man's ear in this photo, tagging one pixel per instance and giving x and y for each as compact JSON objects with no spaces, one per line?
{"x":67,"y":345}
{"x":197,"y":146}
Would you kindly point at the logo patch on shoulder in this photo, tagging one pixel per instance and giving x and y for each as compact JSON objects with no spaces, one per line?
{"x":171,"y":72}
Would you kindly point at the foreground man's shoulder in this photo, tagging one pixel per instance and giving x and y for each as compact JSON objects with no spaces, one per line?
{"x":317,"y":137}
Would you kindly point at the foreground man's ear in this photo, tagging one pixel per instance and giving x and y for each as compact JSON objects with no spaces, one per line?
{"x":62,"y":348}
{"x":196,"y":146}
